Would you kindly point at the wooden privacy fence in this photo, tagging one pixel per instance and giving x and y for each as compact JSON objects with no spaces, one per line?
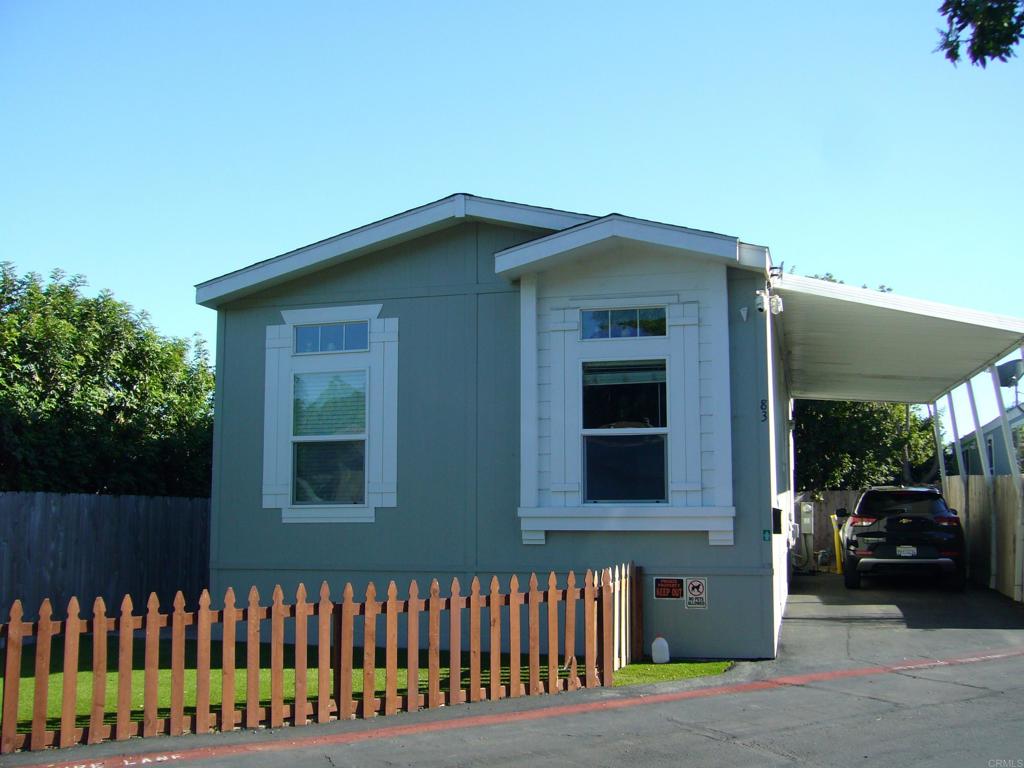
{"x":552,"y":616}
{"x":979,"y":505}
{"x":57,"y":545}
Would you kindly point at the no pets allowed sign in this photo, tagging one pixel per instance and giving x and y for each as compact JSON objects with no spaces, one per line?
{"x":697,"y":592}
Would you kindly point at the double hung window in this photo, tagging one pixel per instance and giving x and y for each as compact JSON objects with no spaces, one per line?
{"x":329,"y":438}
{"x":625,"y":431}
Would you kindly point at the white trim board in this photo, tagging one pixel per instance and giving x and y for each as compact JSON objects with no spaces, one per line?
{"x":716,"y":521}
{"x":394,"y":229}
{"x":540,"y":253}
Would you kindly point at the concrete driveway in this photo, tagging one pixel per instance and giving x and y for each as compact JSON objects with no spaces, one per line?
{"x":898,"y":674}
{"x":888,"y":620}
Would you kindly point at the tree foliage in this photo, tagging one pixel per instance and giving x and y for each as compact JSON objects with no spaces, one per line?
{"x":988,"y":28}
{"x":842,"y":444}
{"x":93,"y":399}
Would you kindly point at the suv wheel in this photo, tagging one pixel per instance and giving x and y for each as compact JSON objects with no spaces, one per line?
{"x":851,"y":577}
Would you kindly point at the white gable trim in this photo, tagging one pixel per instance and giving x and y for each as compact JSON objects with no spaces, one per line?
{"x":512,"y":262}
{"x":389,"y":231}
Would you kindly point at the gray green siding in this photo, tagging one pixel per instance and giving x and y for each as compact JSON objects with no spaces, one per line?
{"x":458,"y":451}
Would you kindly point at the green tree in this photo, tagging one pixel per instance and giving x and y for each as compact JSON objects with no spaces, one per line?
{"x":842,"y":444}
{"x":988,"y":28}
{"x":93,"y":399}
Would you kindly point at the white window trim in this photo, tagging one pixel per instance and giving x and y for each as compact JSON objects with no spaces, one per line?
{"x":380,"y":362}
{"x":680,"y":349}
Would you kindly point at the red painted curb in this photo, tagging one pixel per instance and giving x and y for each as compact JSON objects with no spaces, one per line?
{"x":477,"y":721}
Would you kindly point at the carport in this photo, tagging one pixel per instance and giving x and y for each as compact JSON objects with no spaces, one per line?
{"x":845,"y":343}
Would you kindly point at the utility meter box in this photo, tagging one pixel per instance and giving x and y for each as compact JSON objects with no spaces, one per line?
{"x":806,"y":517}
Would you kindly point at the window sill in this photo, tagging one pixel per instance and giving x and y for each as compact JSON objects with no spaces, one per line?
{"x":339,"y":514}
{"x":717,"y":521}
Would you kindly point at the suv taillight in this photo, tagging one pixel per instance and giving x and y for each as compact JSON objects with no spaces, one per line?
{"x":859,"y":520}
{"x":948,"y":520}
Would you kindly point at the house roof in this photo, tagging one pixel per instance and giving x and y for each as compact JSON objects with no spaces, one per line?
{"x":589,"y":237}
{"x":847,"y":343}
{"x":839,"y":342}
{"x":395,"y":229}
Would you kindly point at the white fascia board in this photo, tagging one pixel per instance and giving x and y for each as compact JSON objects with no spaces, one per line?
{"x":394,"y":229}
{"x":513,"y":262}
{"x":755,"y":256}
{"x":871,"y":298}
{"x":337,"y":249}
{"x":525,"y":215}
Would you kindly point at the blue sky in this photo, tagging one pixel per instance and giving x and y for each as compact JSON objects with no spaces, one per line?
{"x":152,"y":146}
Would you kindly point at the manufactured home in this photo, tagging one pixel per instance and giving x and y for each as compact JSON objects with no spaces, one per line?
{"x":478,"y":387}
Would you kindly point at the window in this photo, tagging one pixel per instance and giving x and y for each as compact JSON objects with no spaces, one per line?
{"x":329,"y":438}
{"x":991,"y":455}
{"x":626,"y":417}
{"x":625,"y":431}
{"x":622,"y":323}
{"x":332,"y":337}
{"x":331,"y":414}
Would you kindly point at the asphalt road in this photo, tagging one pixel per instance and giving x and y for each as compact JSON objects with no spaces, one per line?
{"x":893,"y":675}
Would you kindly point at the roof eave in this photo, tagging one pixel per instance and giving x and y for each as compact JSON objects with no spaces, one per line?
{"x":395,"y":229}
{"x":541,"y":253}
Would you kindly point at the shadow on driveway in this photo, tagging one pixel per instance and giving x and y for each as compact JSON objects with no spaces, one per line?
{"x":914,"y":602}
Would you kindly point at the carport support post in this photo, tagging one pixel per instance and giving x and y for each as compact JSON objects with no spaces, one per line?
{"x":1011,"y":463}
{"x":987,"y":469}
{"x":961,"y":470}
{"x":940,"y":456}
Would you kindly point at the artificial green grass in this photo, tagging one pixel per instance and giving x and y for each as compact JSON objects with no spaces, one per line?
{"x":636,"y":674}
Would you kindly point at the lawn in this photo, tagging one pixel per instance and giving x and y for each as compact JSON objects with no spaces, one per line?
{"x":637,"y":674}
{"x":631,"y":675}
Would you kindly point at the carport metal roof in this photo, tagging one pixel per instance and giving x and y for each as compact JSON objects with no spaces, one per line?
{"x":847,"y":343}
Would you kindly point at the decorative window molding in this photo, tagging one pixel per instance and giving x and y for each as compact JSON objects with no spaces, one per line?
{"x":553,"y":483}
{"x":375,"y":370}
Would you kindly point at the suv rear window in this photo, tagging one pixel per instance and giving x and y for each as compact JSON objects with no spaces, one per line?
{"x":885,"y":503}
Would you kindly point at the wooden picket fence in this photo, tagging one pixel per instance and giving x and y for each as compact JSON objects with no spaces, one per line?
{"x":603,"y":601}
{"x":627,"y":612}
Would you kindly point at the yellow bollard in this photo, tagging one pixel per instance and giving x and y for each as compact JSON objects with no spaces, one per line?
{"x":835,"y":541}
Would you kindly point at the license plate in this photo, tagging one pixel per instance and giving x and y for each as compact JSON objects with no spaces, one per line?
{"x":906,"y":551}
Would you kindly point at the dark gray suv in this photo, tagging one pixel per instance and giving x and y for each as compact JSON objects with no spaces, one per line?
{"x":899,"y":529}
